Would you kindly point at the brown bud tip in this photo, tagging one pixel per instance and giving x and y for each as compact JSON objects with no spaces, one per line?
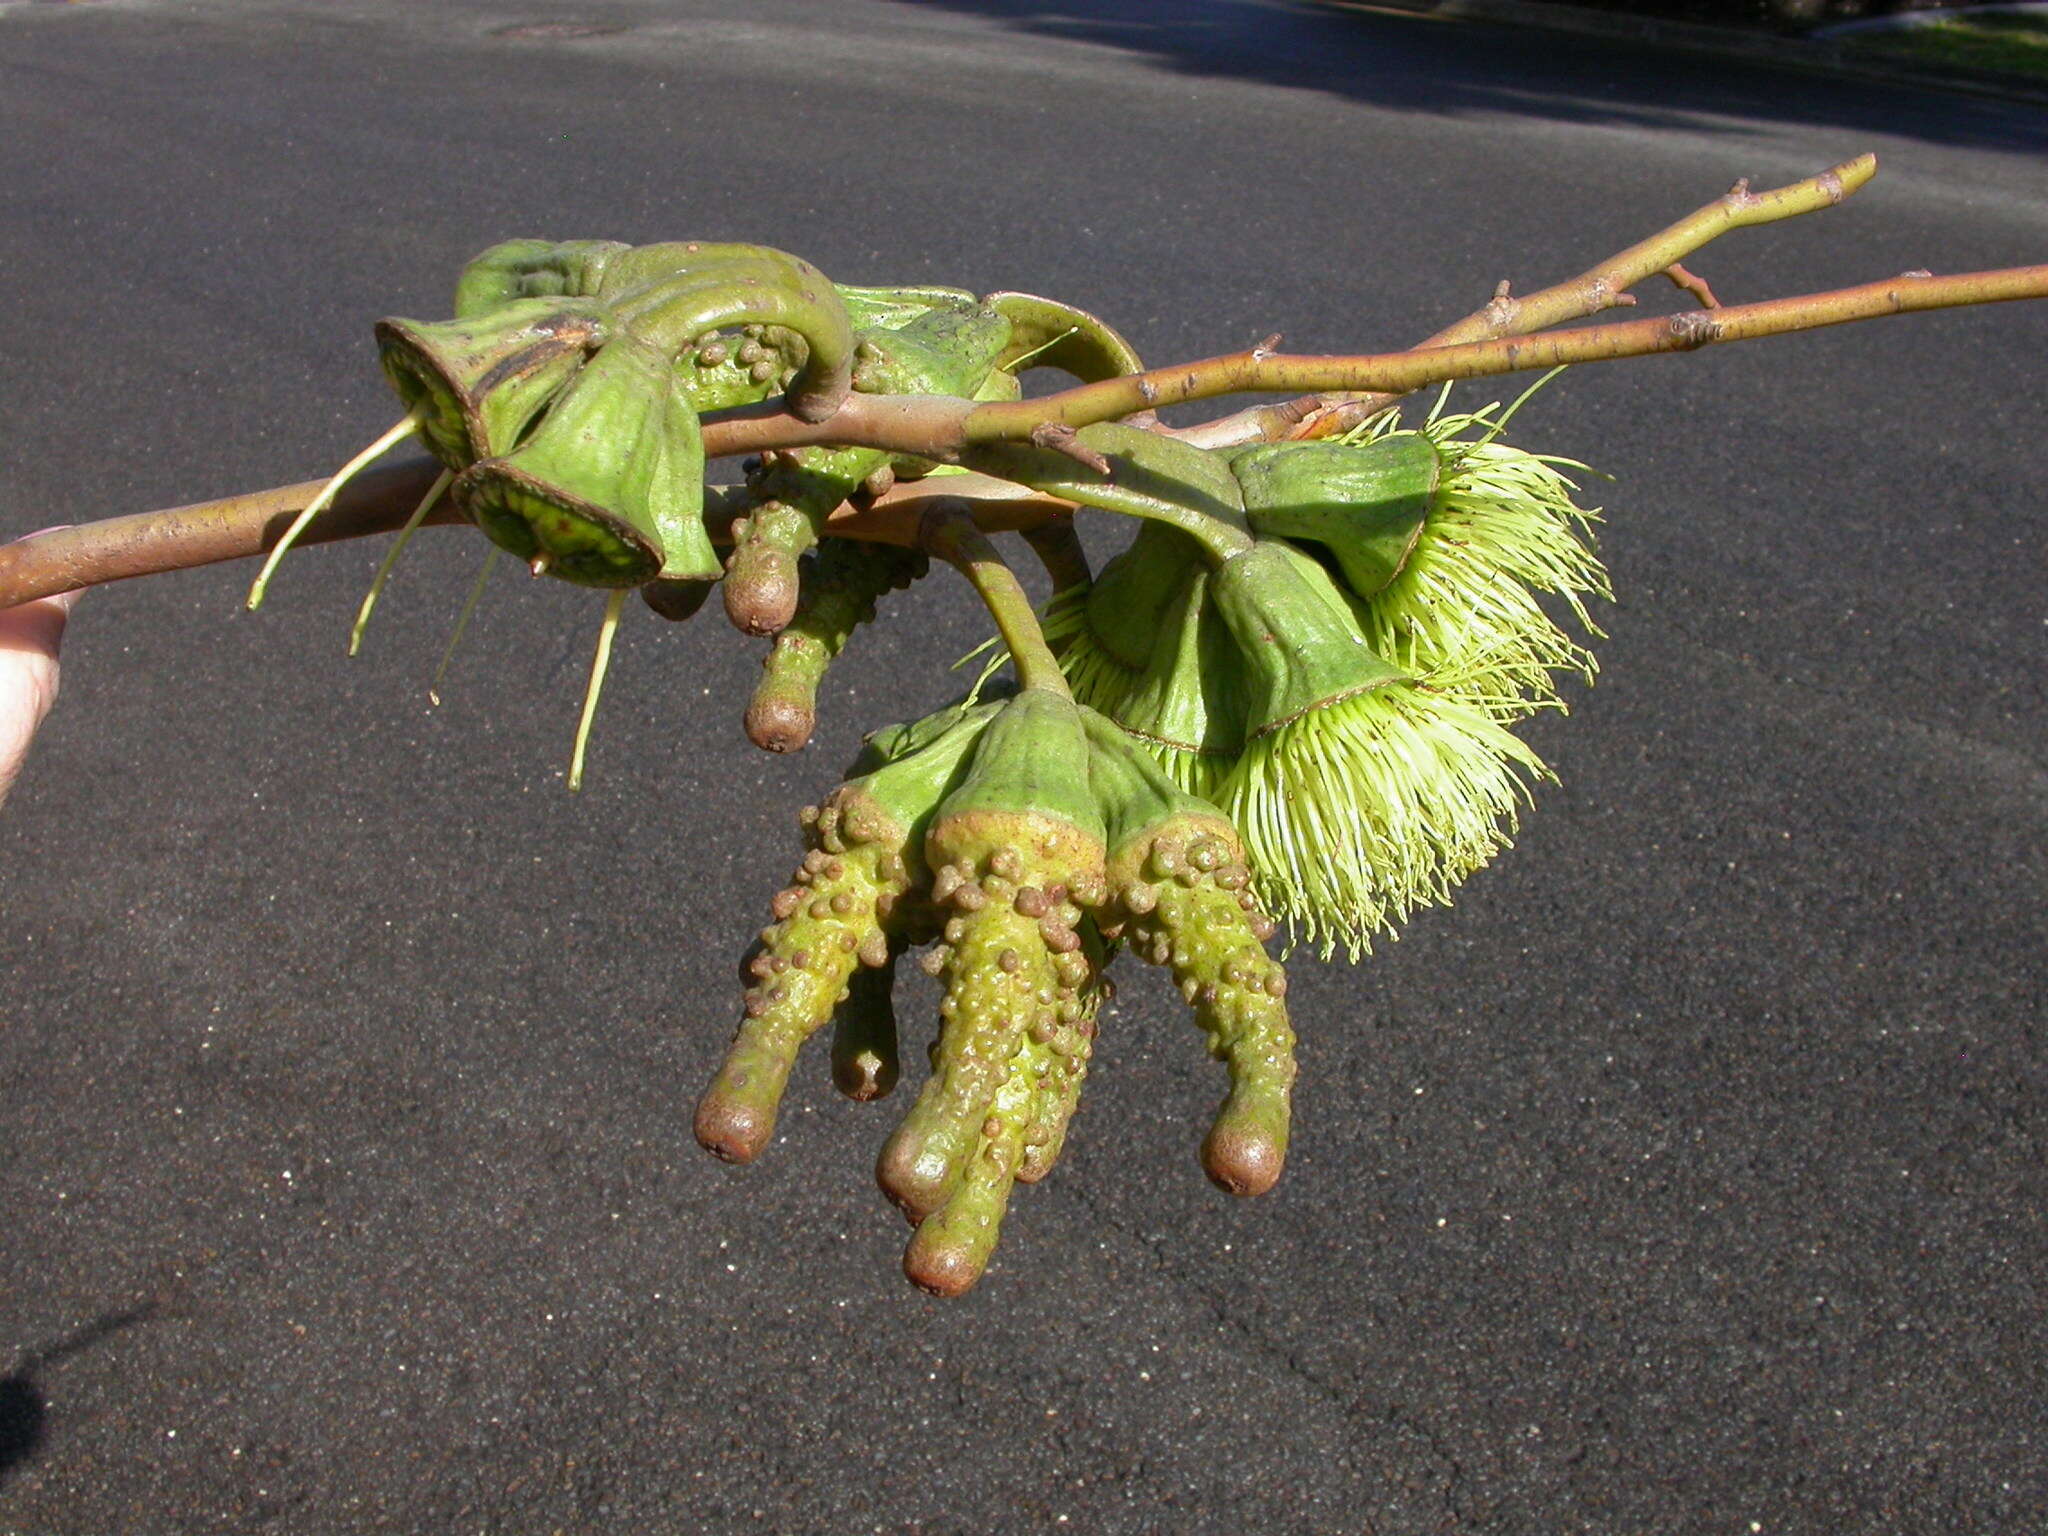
{"x":732,"y":1130}
{"x":940,"y":1266}
{"x":760,"y":590}
{"x":1241,"y":1161}
{"x":779,"y":724}
{"x":915,"y":1180}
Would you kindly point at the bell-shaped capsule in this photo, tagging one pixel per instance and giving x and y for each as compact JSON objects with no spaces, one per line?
{"x":479,"y":382}
{"x":608,"y":490}
{"x":1045,"y":333}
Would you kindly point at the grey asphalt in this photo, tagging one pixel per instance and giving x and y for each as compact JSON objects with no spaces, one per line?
{"x":1685,"y":1176}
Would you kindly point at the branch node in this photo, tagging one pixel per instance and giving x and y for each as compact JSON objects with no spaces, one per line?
{"x":1263,"y":350}
{"x":1917,"y":272}
{"x":1694,"y":328}
{"x":1060,"y":438}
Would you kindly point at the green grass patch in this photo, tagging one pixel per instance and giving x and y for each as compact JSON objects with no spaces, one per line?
{"x":2010,"y":44}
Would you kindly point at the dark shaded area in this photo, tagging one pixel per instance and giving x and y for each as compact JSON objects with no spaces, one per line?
{"x":1788,"y":16}
{"x":1410,"y":63}
{"x":24,"y":1412}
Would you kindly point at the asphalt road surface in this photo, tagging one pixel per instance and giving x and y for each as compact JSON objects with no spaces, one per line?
{"x":1686,"y":1175}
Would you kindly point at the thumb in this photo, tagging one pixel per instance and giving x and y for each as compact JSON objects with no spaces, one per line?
{"x":29,"y":637}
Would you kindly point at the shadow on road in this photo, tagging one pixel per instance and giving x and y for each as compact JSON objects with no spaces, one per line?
{"x":24,"y":1411}
{"x":1420,"y":65}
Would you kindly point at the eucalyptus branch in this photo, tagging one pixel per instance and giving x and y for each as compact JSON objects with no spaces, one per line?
{"x":379,"y":500}
{"x":943,"y":427}
{"x":949,"y":533}
{"x":1598,"y":288}
{"x":382,"y":500}
{"x":1402,"y":372}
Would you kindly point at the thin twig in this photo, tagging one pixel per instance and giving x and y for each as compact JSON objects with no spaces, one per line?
{"x":1403,"y":372}
{"x":1691,"y":282}
{"x":1598,"y":288}
{"x":942,"y":427}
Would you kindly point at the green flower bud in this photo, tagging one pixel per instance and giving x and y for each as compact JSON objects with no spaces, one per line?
{"x":1178,"y":891}
{"x":1026,"y":798}
{"x":840,"y":587}
{"x":941,"y":351}
{"x":994,"y":972}
{"x":839,"y":912}
{"x":1021,"y":819}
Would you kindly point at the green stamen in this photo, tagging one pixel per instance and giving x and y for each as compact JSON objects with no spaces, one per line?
{"x":412,"y":524}
{"x":476,"y":594}
{"x":613,"y":605}
{"x":404,"y":428}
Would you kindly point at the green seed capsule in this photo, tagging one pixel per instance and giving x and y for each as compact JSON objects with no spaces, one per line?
{"x":608,"y":489}
{"x":482,"y":380}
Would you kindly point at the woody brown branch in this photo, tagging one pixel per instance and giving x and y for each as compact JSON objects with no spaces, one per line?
{"x":941,"y":427}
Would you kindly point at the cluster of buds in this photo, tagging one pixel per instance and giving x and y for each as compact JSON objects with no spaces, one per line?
{"x":1290,"y":697}
{"x":1290,"y":694}
{"x":1026,"y":840}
